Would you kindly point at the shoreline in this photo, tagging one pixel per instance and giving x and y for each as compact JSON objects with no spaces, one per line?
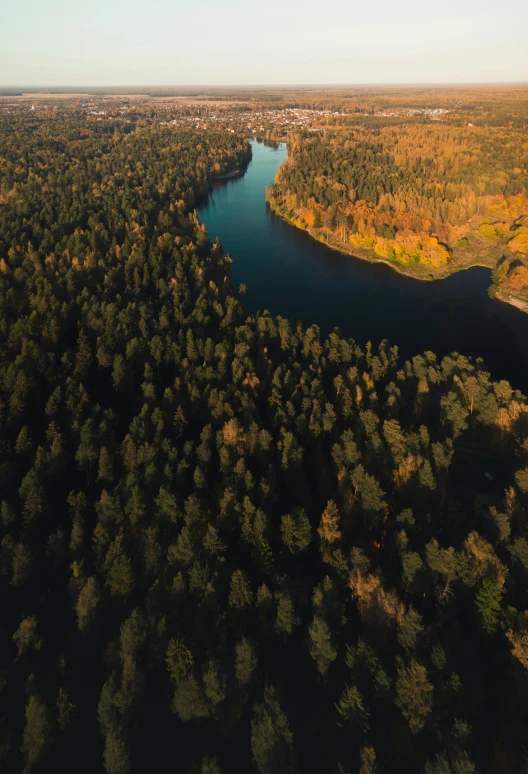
{"x":516,"y":302}
{"x":370,"y":258}
{"x":228,"y":175}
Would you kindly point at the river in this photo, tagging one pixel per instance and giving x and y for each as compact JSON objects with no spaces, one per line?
{"x":291,"y":274}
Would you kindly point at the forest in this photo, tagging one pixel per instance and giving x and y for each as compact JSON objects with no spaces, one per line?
{"x":228,"y":544}
{"x":429,"y":198}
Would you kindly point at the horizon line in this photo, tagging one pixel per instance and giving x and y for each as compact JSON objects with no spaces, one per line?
{"x":264,"y":85}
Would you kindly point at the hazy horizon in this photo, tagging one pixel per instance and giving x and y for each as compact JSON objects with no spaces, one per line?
{"x":263,"y":86}
{"x":106,"y":42}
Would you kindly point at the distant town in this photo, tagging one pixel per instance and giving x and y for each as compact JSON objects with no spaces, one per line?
{"x":251,"y":117}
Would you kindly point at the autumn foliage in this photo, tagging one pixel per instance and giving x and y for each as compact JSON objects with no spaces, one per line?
{"x":408,"y":193}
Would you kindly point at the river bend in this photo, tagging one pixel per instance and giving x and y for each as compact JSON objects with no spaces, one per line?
{"x":291,"y":274}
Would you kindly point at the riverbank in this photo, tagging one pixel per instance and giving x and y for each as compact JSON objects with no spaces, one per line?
{"x":234,"y":173}
{"x":516,"y":302}
{"x":425,"y":273}
{"x":294,"y":275}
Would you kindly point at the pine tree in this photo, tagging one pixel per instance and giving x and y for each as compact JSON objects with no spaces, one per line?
{"x":271,"y":737}
{"x":414,"y":694}
{"x":240,"y":594}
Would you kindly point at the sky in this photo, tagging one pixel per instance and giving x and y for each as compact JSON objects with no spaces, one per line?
{"x":277,"y":42}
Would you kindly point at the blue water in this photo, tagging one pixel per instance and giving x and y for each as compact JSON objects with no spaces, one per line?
{"x":291,"y":274}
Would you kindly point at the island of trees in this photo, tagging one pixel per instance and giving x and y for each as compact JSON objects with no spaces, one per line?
{"x":226,"y":543}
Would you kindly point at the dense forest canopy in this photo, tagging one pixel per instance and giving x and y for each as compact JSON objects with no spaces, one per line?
{"x":226,"y":544}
